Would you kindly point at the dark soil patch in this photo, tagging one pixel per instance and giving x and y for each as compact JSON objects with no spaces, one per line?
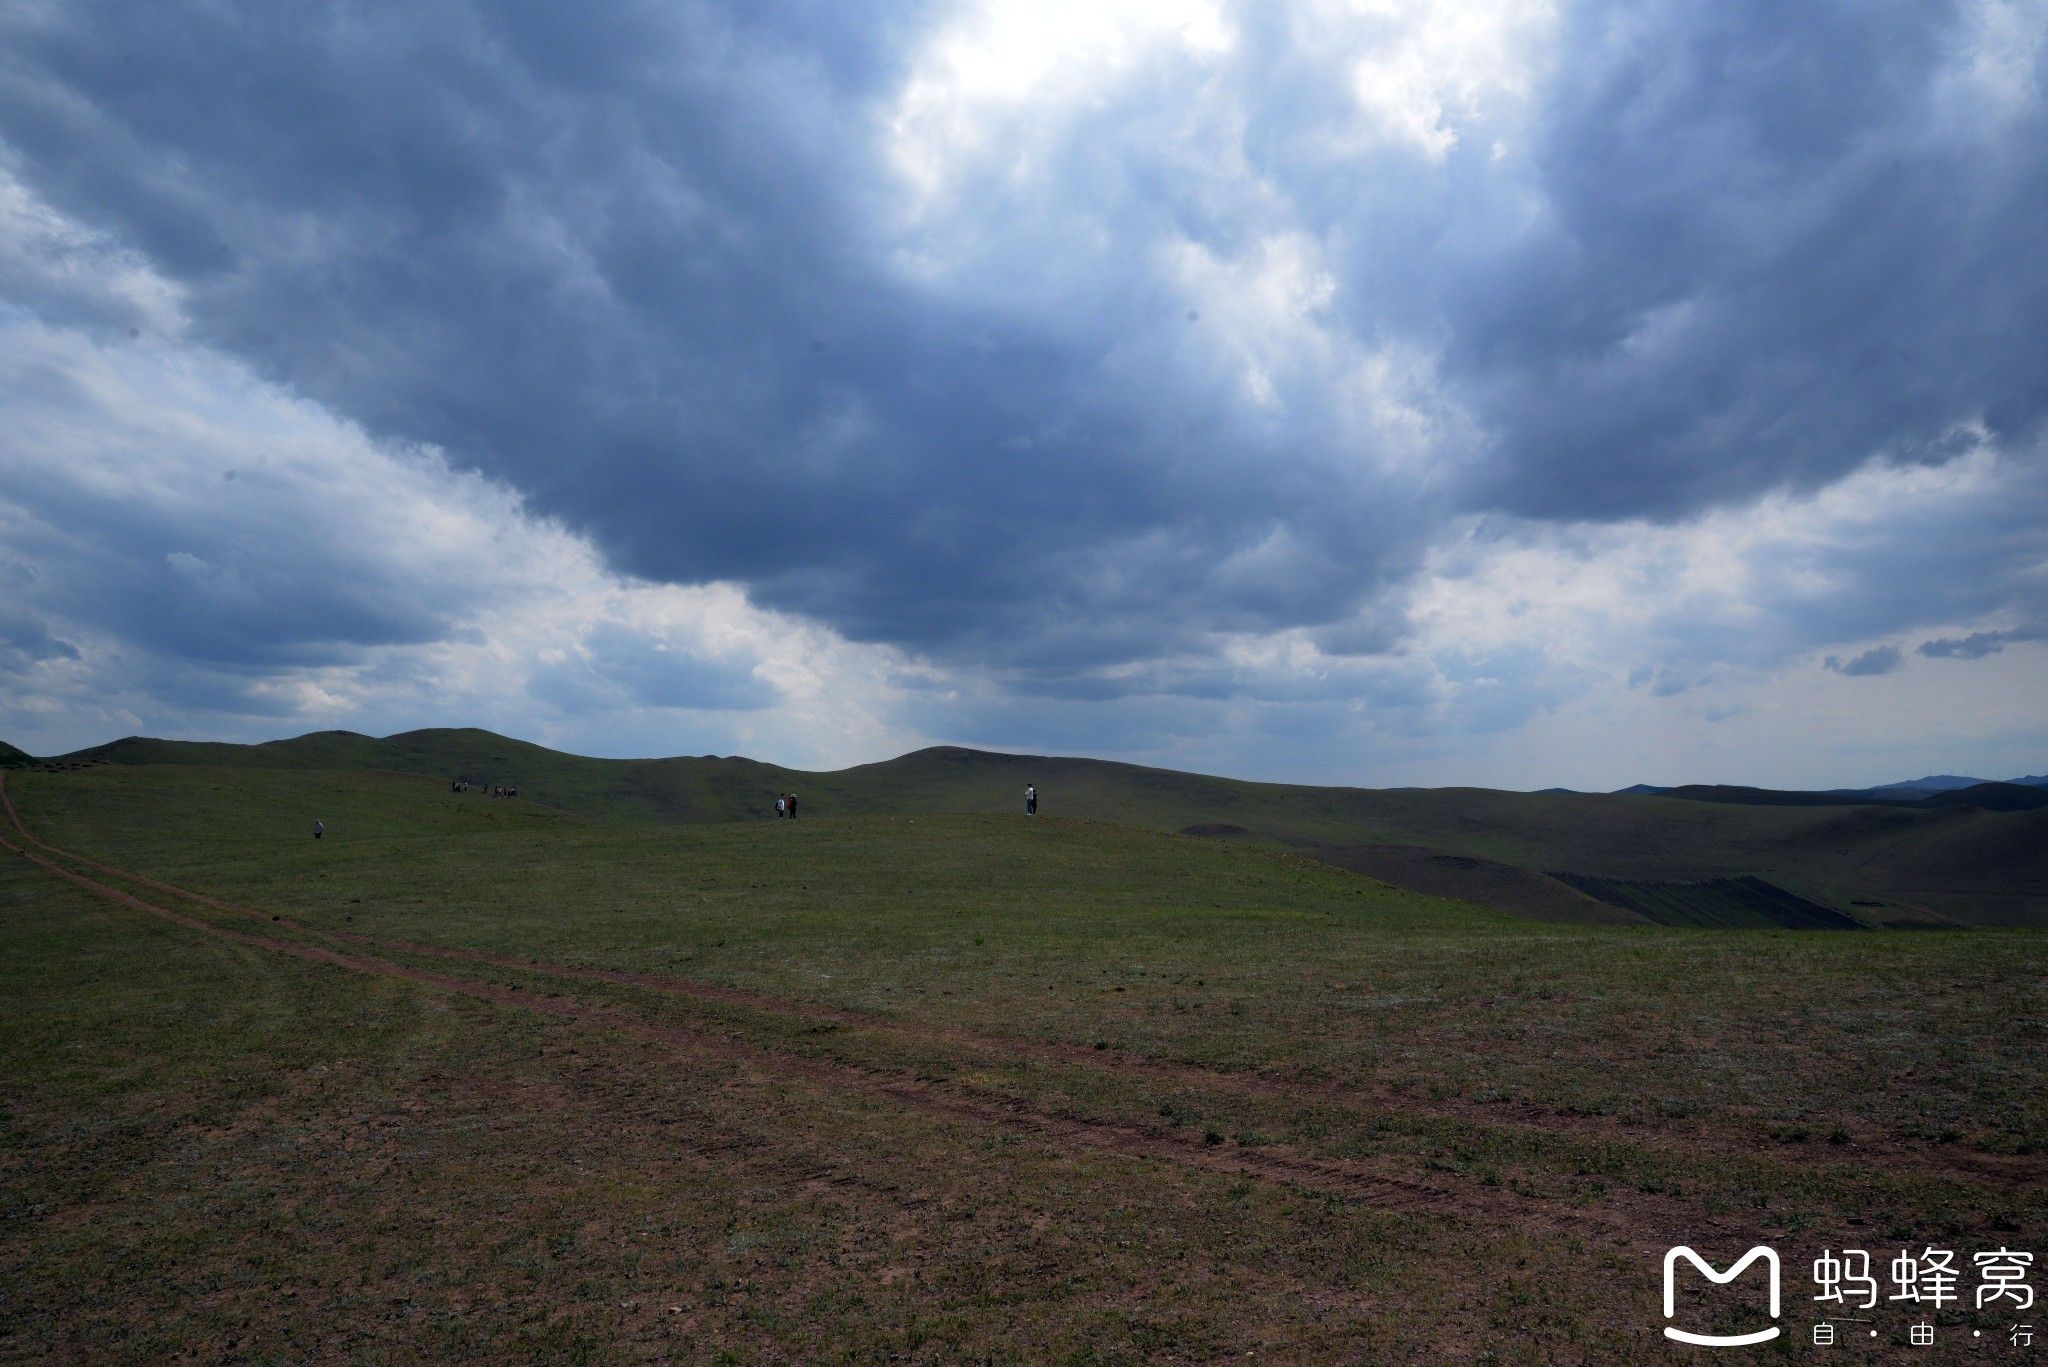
{"x":1467,"y":878}
{"x":1714,"y":902}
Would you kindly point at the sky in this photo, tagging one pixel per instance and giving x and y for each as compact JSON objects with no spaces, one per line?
{"x":1343,"y":391}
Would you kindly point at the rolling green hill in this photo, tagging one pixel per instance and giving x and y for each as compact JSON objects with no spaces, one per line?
{"x":1934,"y":863}
{"x":1992,"y":797}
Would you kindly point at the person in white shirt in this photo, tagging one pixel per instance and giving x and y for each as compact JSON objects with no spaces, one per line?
{"x":1031,"y":799}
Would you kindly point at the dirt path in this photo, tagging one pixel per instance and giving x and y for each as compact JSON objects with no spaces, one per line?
{"x":1633,"y":1220}
{"x":1866,"y":1151}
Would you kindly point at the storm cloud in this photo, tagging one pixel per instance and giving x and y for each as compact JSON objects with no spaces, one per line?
{"x":1078,"y":353}
{"x":1876,"y":660}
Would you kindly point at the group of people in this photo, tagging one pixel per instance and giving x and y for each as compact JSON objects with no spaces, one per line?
{"x":461,"y":785}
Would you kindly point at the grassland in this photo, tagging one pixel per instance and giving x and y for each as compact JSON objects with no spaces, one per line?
{"x":1877,"y":864}
{"x":513,"y":1079}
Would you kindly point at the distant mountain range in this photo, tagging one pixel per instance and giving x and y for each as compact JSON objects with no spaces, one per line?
{"x":1939,"y":783}
{"x":426,"y":750}
{"x":1908,"y":790}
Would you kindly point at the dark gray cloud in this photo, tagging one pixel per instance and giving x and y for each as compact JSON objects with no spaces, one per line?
{"x":112,"y":520}
{"x":1919,"y":560}
{"x":1775,"y":243}
{"x":1978,"y":644}
{"x":624,"y":262}
{"x":635,"y":260}
{"x":1876,"y":660}
{"x":27,"y":640}
{"x":619,"y":261}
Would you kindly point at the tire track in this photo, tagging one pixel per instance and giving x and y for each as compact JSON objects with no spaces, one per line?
{"x":1509,"y":1117}
{"x":1273,"y":1163}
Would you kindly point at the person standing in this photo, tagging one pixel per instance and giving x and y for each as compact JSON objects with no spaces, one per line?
{"x":1031,"y":799}
{"x":318,"y":830}
{"x":781,"y":805}
{"x":792,"y":806}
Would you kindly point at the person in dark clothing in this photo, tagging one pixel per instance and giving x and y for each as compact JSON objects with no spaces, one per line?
{"x":1031,"y":799}
{"x":318,"y":830}
{"x":792,"y":806}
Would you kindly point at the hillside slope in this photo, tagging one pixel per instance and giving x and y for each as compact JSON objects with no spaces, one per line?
{"x":1921,"y":863}
{"x":1993,"y":797}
